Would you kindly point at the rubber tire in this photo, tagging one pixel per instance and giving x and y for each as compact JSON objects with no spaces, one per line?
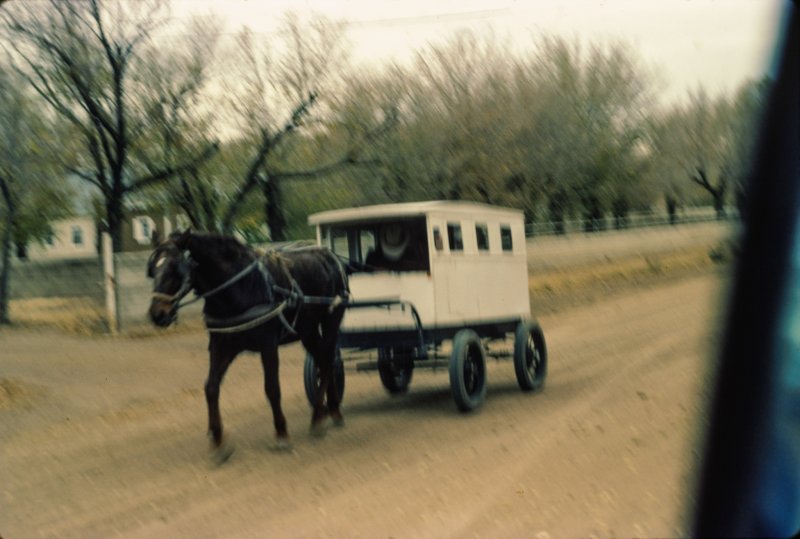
{"x":393,"y":377}
{"x":530,"y":356}
{"x":311,"y":376}
{"x":468,"y":371}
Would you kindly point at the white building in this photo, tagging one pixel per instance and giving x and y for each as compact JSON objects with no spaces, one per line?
{"x":73,"y":237}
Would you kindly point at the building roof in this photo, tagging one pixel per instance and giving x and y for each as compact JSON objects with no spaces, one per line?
{"x":412,"y":209}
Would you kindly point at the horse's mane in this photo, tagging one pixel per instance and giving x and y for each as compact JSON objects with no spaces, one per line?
{"x":220,"y":246}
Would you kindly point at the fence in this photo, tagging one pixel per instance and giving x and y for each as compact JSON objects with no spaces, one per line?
{"x":631,"y":221}
{"x":82,"y":277}
{"x":58,"y":284}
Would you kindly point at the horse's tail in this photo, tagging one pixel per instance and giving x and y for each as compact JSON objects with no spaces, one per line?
{"x":345,"y":270}
{"x":347,"y":265}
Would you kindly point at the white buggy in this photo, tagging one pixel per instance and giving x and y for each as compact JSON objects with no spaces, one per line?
{"x":427,"y":273}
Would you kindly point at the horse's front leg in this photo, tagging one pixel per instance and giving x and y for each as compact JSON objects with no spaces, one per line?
{"x":220,"y":448}
{"x":270,"y":362}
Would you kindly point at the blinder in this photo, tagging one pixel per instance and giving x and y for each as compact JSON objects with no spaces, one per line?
{"x":183,"y":269}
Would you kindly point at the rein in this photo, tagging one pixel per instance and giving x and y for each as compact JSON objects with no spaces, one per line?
{"x":233,"y":280}
{"x":186,"y":287}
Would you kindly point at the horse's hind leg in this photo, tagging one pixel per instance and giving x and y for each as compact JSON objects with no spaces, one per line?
{"x":330,"y":334}
{"x":270,"y":362}
{"x":220,"y":362}
{"x":334,"y":398}
{"x":315,"y":346}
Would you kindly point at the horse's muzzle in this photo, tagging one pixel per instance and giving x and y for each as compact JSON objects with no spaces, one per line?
{"x":163,"y":313}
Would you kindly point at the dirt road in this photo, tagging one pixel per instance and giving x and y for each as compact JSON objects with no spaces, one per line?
{"x":106,"y":437}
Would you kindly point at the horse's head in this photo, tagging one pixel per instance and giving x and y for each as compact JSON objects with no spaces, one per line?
{"x":170,"y":268}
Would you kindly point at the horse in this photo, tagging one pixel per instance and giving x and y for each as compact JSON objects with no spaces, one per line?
{"x":254,"y":303}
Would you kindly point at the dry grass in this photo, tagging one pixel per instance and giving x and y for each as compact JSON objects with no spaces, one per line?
{"x":555,"y":290}
{"x":81,"y":316}
{"x":15,"y":393}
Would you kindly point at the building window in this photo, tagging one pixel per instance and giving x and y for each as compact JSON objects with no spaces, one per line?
{"x":146,"y":231}
{"x":77,"y":235}
{"x":143,"y":228}
{"x":482,"y":236}
{"x":505,"y":238}
{"x":454,"y":237}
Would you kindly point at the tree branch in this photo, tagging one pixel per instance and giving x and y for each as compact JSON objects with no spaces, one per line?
{"x":267,"y":144}
{"x":701,"y":179}
{"x":322,"y":170}
{"x":86,"y":177}
{"x":5,"y":189}
{"x":168,"y":172}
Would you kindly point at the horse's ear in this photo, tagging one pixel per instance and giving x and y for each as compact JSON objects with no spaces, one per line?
{"x":155,"y":238}
{"x":181,"y":239}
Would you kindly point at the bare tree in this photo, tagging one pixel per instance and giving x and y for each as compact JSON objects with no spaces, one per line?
{"x":705,"y":138}
{"x":177,"y":102}
{"x":79,"y":56}
{"x":583,"y":109}
{"x":747,"y":108}
{"x":454,"y":134}
{"x":278,"y":90}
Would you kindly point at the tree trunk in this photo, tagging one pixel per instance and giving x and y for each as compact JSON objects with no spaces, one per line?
{"x":592,"y":214}
{"x":557,"y":209}
{"x":273,"y":208}
{"x":620,"y":209}
{"x":719,"y":203}
{"x":672,"y":209}
{"x":114,"y":220}
{"x":5,"y":273}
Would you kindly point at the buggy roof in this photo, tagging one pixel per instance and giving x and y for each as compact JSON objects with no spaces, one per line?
{"x":381,"y":212}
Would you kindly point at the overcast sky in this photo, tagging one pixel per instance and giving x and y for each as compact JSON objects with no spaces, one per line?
{"x":716,"y":43}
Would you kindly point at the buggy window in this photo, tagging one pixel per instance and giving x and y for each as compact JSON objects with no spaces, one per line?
{"x":397,"y":245}
{"x":454,"y":238}
{"x":437,"y":239}
{"x":505,"y":238}
{"x":482,"y":236}
{"x":339,"y":242}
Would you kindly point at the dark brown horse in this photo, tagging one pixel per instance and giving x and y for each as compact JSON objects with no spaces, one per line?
{"x":254,"y":303}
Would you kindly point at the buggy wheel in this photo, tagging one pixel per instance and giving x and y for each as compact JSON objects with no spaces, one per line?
{"x":395,"y":367}
{"x":311,"y":379}
{"x":467,"y":370}
{"x":530,"y":356}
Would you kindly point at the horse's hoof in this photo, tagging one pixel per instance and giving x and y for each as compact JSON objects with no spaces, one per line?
{"x":338,"y":420}
{"x":319,"y":429}
{"x":220,"y":454}
{"x":283,"y":445}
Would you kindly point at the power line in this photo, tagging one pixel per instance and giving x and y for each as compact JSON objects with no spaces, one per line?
{"x":424,"y":19}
